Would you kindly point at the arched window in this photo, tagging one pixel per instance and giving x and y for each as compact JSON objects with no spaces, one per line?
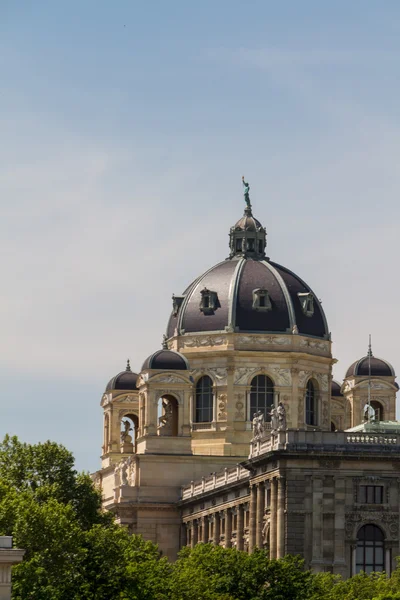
{"x":203,"y":412}
{"x":370,"y":549}
{"x":378,"y":408}
{"x":261,"y":396}
{"x":311,"y":404}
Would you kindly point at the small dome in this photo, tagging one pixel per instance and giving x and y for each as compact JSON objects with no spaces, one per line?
{"x":335,"y":388}
{"x":126,"y":380}
{"x":166,"y":359}
{"x":248,"y":223}
{"x":379,"y":368}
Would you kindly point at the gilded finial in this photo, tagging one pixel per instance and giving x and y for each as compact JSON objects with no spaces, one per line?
{"x":128,"y":365}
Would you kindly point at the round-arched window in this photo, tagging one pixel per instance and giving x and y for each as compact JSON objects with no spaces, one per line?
{"x":203,"y":412}
{"x":370,"y":549}
{"x":311,"y":404}
{"x":261,"y":396}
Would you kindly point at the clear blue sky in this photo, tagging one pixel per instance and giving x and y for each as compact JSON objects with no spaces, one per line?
{"x":125,"y":128}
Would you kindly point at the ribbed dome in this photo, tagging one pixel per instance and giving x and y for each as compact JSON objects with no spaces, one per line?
{"x":233,"y":288}
{"x":126,"y":380}
{"x":166,"y":359}
{"x":248,"y":223}
{"x":335,"y":388}
{"x":379,"y":368}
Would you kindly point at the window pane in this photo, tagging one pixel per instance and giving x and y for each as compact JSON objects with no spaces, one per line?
{"x":362,"y":494}
{"x":370,"y":494}
{"x":378,"y":494}
{"x":379,"y":556}
{"x":261,"y":396}
{"x":204,"y":400}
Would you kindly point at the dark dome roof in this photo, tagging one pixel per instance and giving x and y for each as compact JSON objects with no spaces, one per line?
{"x":335,"y":388}
{"x":234,"y":281}
{"x":247,"y":223}
{"x":379,"y":368}
{"x":126,"y":380}
{"x":166,"y":359}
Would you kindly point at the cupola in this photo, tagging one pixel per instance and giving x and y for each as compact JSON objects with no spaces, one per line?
{"x":247,"y":238}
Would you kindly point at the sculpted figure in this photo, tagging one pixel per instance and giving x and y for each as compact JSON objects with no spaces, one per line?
{"x":274,"y":418}
{"x":369,"y":413}
{"x":246,"y":192}
{"x":281,"y":416}
{"x":258,"y":424}
{"x":124,"y":472}
{"x":125,"y":437}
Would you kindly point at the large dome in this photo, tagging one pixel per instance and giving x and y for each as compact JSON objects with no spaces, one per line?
{"x":247,"y":292}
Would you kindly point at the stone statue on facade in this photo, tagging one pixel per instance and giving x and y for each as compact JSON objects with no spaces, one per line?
{"x":117,"y":477}
{"x":274,"y":418}
{"x":125,"y":437}
{"x":369,"y":413}
{"x":166,"y":419}
{"x":246,"y":192}
{"x":258,"y":425}
{"x":124,"y":472}
{"x":281,"y":412}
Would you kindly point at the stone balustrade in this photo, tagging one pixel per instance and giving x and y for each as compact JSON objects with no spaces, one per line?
{"x":214,"y":481}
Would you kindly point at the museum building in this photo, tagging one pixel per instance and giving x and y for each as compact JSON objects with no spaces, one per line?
{"x":234,"y":433}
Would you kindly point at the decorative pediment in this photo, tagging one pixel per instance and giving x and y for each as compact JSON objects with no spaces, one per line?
{"x":106,"y":400}
{"x":168,"y":378}
{"x":375,"y":385}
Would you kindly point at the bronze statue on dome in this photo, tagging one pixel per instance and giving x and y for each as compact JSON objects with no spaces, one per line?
{"x":246,"y":192}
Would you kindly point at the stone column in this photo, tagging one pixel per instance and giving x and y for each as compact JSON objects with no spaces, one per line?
{"x":217,"y":528}
{"x":204,"y":529}
{"x":280,"y":527}
{"x":9,"y":556}
{"x":273,"y":518}
{"x":195,"y":533}
{"x":253,"y":517}
{"x":240,"y":527}
{"x":260,"y":513}
{"x":228,"y":528}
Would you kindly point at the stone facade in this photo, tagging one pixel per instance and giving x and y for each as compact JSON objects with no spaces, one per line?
{"x":299,"y":493}
{"x":247,"y":340}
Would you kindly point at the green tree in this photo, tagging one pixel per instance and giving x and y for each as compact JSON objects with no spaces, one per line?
{"x":74,"y":551}
{"x":215,"y":573}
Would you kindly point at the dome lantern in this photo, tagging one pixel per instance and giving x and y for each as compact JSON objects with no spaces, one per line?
{"x":247,"y":238}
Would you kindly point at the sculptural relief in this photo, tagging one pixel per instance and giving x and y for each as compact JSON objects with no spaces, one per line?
{"x":197,"y":342}
{"x":264,"y":340}
{"x":303,"y":376}
{"x":283,"y":376}
{"x":243,"y":374}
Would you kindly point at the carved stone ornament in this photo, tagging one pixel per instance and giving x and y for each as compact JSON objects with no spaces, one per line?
{"x":141,"y":380}
{"x":323,"y":381}
{"x":263,"y":340}
{"x":239,"y":414}
{"x":106,"y":400}
{"x":282,"y":376}
{"x":126,"y":399}
{"x":303,"y":376}
{"x":325,"y":413}
{"x":314,"y":344}
{"x":220,"y":374}
{"x":169,"y":379}
{"x":243,"y":374}
{"x":165,"y":392}
{"x":348,"y":386}
{"x":389,"y":519}
{"x":222,"y":398}
{"x":206,"y":341}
